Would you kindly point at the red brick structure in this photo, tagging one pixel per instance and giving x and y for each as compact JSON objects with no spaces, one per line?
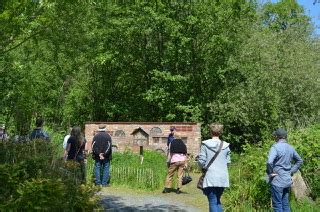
{"x":150,"y":135}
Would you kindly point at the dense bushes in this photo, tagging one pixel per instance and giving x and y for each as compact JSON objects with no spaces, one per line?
{"x":33,"y":178}
{"x":249,"y":66}
{"x":248,"y":184}
{"x":307,"y":144}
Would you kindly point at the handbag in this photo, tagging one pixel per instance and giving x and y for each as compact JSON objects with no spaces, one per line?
{"x":186,"y":178}
{"x":79,"y":158}
{"x":205,"y":169}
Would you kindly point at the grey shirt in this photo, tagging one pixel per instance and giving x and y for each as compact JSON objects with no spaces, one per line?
{"x":217,"y":174}
{"x":279,"y":162}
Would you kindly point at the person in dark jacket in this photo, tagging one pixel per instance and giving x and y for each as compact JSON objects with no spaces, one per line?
{"x":39,"y":132}
{"x":171,"y":135}
{"x":177,"y":162}
{"x":102,"y":154}
{"x":75,"y":150}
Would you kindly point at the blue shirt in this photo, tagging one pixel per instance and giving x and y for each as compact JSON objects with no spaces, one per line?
{"x":279,"y":162}
{"x":39,"y":133}
{"x":170,"y":138}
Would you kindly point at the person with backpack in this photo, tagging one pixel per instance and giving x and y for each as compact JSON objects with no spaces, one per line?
{"x":102,"y":154}
{"x":39,"y":132}
{"x":177,"y":162}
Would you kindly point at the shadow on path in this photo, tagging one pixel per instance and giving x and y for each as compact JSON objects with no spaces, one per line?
{"x":136,"y":203}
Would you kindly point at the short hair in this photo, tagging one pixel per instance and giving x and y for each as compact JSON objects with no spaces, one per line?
{"x":39,"y":122}
{"x":177,"y":136}
{"x":216,"y":129}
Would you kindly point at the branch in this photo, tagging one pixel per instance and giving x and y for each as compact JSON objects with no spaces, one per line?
{"x":19,"y":44}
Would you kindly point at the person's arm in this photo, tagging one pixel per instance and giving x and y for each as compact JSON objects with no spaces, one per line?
{"x":65,"y":141}
{"x":202,"y":157}
{"x":109,"y":146}
{"x":298,"y":162}
{"x":95,"y":148}
{"x":228,"y":156}
{"x":272,"y":156}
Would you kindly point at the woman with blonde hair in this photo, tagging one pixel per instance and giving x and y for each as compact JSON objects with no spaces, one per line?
{"x":216,"y":175}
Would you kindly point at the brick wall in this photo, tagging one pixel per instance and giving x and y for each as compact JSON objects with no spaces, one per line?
{"x":157,"y":134}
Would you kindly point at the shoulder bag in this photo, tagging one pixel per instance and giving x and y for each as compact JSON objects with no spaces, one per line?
{"x":205,"y":169}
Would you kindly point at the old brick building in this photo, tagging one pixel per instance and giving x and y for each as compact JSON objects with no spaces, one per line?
{"x":150,"y":135}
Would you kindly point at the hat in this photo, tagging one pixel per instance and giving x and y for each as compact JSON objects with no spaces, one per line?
{"x":280,"y":133}
{"x":173,"y":129}
{"x":102,"y":127}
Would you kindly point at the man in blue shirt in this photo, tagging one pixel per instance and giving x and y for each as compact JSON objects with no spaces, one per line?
{"x":280,"y":170}
{"x":171,"y":136}
{"x":39,"y":132}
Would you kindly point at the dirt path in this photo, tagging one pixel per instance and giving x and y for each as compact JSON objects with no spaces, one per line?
{"x":115,"y":199}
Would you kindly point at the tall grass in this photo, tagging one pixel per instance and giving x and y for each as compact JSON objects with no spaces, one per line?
{"x":247,"y":173}
{"x":126,"y":170}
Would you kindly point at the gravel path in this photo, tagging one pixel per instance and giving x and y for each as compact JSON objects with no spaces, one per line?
{"x":142,"y":202}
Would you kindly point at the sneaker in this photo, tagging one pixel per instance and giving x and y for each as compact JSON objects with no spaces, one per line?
{"x":106,"y":185}
{"x":165,"y":190}
{"x":178,"y":191}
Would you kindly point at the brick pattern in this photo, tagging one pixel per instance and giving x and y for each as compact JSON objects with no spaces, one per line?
{"x":155,"y":140}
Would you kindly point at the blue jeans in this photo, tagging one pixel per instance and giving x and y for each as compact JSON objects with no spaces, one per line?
{"x":102,"y":169}
{"x":280,"y":199}
{"x":214,"y":195}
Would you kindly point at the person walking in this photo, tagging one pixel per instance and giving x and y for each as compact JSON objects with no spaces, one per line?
{"x":102,"y":154}
{"x":280,"y":170}
{"x":217,"y":177}
{"x":39,"y":132}
{"x":177,"y":162}
{"x":75,"y":150}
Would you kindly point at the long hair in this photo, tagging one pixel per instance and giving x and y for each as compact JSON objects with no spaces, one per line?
{"x":76,"y":134}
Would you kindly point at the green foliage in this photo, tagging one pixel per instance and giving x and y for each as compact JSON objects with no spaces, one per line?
{"x":247,"y":172}
{"x":32,"y":178}
{"x":127,"y":170}
{"x":307,"y":145}
{"x":252,"y":67}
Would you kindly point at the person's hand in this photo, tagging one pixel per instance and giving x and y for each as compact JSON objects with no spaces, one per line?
{"x":101,"y":156}
{"x":273,"y":175}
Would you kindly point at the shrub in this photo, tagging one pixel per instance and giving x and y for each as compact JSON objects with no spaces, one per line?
{"x":33,"y":178}
{"x":247,"y":172}
{"x":307,"y":145}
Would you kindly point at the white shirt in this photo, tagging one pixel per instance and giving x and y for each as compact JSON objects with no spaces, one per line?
{"x":65,"y":141}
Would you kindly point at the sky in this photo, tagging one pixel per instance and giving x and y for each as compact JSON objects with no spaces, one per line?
{"x":312,"y":9}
